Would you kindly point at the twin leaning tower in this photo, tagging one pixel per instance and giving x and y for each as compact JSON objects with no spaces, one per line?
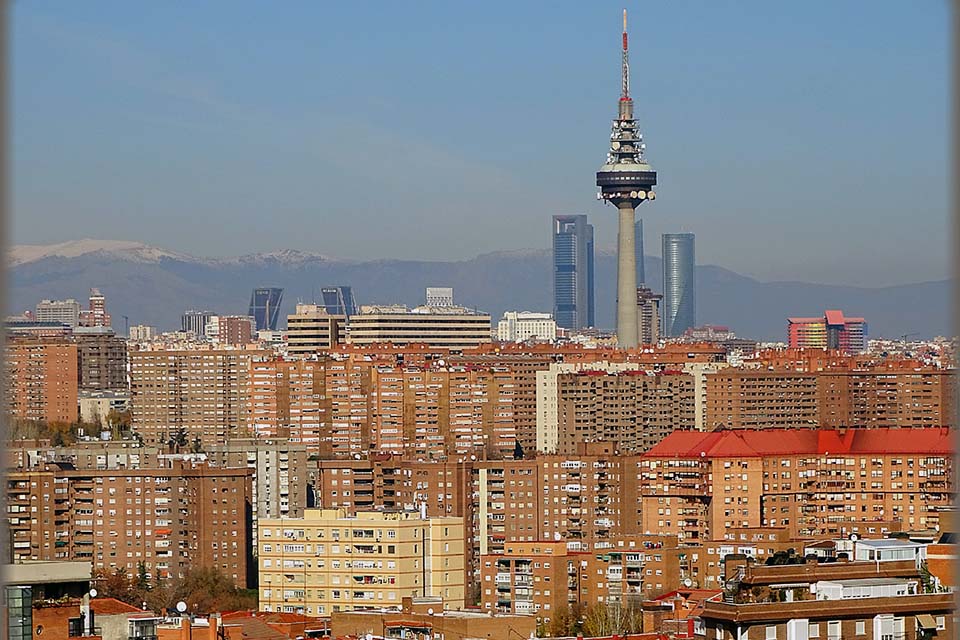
{"x":626,"y":180}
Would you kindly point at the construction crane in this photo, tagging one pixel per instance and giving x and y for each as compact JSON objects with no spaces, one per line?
{"x":907,"y":335}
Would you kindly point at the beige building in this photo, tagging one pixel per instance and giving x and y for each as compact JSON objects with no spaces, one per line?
{"x":328,"y":562}
{"x":455,"y":327}
{"x":311,"y":329}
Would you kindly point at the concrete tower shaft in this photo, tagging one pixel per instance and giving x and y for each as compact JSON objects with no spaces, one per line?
{"x":626,"y":180}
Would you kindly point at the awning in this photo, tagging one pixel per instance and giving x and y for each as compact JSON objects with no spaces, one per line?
{"x":926,"y":621}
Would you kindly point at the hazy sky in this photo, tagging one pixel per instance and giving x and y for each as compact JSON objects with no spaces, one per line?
{"x":798,"y":140}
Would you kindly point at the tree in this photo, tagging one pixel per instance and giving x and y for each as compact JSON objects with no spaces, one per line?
{"x":207,"y":589}
{"x":117,"y":585}
{"x":606,"y":620}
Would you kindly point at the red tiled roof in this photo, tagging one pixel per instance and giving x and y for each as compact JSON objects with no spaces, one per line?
{"x":111,"y":606}
{"x":834,"y":316}
{"x":753,"y":443}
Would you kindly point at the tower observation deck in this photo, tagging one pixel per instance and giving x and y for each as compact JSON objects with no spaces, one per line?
{"x":626,"y":180}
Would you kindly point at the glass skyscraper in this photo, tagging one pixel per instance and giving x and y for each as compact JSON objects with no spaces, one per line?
{"x":573,"y":303}
{"x":265,"y":307}
{"x":679,"y":290}
{"x":338,"y":301}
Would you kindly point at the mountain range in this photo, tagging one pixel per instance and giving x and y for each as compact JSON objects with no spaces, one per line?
{"x":149,"y":285}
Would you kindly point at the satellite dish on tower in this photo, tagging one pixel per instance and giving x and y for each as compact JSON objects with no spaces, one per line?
{"x":687,"y":582}
{"x":93,"y":593}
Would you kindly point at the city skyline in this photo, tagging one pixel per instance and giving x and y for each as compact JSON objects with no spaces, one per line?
{"x":782,"y":114}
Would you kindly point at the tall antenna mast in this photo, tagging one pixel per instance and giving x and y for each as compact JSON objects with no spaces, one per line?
{"x":625,"y":86}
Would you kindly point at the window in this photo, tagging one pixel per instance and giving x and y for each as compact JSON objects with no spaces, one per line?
{"x":833,"y":630}
{"x":771,"y":633}
{"x":813,"y":631}
{"x":861,"y":628}
{"x":941,"y":623}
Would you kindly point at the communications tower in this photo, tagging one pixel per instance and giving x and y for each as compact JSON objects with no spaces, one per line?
{"x":625,"y":181}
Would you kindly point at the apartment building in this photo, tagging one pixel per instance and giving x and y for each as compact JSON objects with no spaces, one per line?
{"x":833,"y":396}
{"x":102,"y":358}
{"x":201,"y":392}
{"x":814,"y":482}
{"x":171,"y":518}
{"x":633,"y":410}
{"x":829,"y":601}
{"x":329,"y":562}
{"x":545,"y":578}
{"x":41,"y":379}
{"x":288,"y":400}
{"x":448,"y":326}
{"x":438,"y":412}
{"x":278,"y":475}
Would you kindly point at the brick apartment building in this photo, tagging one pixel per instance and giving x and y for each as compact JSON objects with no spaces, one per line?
{"x":42,"y":379}
{"x":203,"y":392}
{"x":814,"y":482}
{"x":890,"y":396}
{"x":171,"y":519}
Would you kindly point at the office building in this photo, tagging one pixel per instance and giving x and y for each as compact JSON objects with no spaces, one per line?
{"x":453,"y":327}
{"x":339,"y":301}
{"x":196,"y":322}
{"x":832,"y":331}
{"x":679,"y":283}
{"x":163,"y":517}
{"x":573,"y":303}
{"x":265,"y":308}
{"x":648,"y":312}
{"x":439,"y":296}
{"x":41,"y":380}
{"x":328,"y":562}
{"x":96,"y":315}
{"x":102,"y":357}
{"x":626,"y":181}
{"x":60,"y":311}
{"x":520,"y":326}
{"x":201,"y":393}
{"x":311,"y":328}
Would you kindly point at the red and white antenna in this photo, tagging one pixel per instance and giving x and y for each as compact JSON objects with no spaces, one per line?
{"x":625,"y":80}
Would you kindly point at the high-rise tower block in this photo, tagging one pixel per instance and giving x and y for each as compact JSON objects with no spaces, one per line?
{"x":626,"y":181}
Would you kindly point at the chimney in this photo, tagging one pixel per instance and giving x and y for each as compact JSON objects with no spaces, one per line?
{"x":185,"y":631}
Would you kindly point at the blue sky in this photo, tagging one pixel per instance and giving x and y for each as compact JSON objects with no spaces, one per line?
{"x":800,"y":141}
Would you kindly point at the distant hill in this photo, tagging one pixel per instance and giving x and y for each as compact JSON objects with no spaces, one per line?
{"x":154,"y":286}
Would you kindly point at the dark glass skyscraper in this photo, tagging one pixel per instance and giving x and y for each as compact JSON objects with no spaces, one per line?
{"x":573,"y":303}
{"x":265,"y":307}
{"x":679,"y":291}
{"x":338,"y":301}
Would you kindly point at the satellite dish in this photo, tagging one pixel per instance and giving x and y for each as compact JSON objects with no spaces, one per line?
{"x":615,"y":145}
{"x":430,"y":612}
{"x":854,"y":537}
{"x":93,"y":593}
{"x":181,"y":606}
{"x":687,"y":582}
